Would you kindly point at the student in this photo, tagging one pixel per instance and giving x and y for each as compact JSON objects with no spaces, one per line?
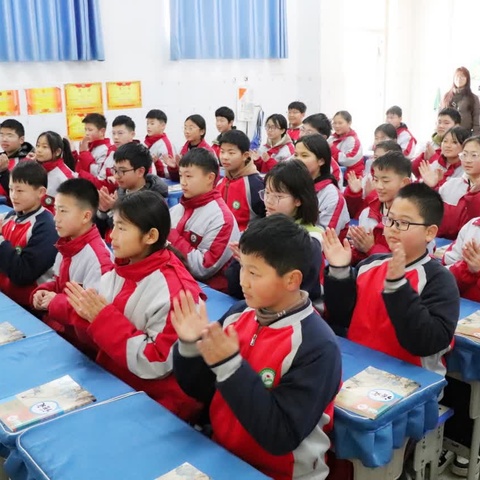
{"x":319,"y":123}
{"x":447,"y":119}
{"x":296,"y":114}
{"x":397,"y":303}
{"x":82,"y":257}
{"x":28,"y":236}
{"x":224,"y":118}
{"x":157,"y":141}
{"x":132,"y":162}
{"x":202,"y":224}
{"x":314,"y":152}
{"x":129,"y":319}
{"x":448,"y":164}
{"x":279,"y":145}
{"x":463,"y":260}
{"x":391,"y":172}
{"x":270,"y":368}
{"x":241,"y":184}
{"x":345,"y":145}
{"x":54,"y":154}
{"x":404,"y":137}
{"x":383,"y":133}
{"x":461,"y":195}
{"x":94,"y":148}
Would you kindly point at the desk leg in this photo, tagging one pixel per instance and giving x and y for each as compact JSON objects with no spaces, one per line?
{"x":3,"y":475}
{"x":475,"y":416}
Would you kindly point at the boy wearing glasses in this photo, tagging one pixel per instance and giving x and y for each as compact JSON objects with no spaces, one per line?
{"x":404,"y":304}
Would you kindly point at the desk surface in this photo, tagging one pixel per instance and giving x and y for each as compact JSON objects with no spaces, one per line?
{"x":217,"y":302}
{"x":373,"y":441}
{"x":147,"y":442}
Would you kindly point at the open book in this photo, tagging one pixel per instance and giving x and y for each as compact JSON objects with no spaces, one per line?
{"x":440,"y":252}
{"x":8,"y":333}
{"x":470,"y":325}
{"x":372,"y":392}
{"x":184,"y":472}
{"x":42,"y":403}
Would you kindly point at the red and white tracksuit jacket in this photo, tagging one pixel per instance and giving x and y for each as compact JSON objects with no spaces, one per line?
{"x":406,"y":140}
{"x":418,"y":160}
{"x":173,"y":172}
{"x":202,"y":228}
{"x":160,"y":145}
{"x":347,"y":151}
{"x":58,"y":172}
{"x":450,"y":170}
{"x":468,"y":282}
{"x":94,"y":159}
{"x":294,"y":133}
{"x":283,"y":150}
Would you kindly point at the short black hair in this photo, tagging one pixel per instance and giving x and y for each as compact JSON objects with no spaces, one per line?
{"x":124,"y":120}
{"x":320,"y":122}
{"x":282,"y":243}
{"x":83,"y":191}
{"x":345,"y":115}
{"x":14,"y":125}
{"x":157,"y":114}
{"x":396,"y":162}
{"x":279,"y":121}
{"x":428,"y":202}
{"x":225,"y":112}
{"x":389,"y":146}
{"x":388,"y":129}
{"x":395,"y":110}
{"x":236,"y":137}
{"x":202,"y":158}
{"x":31,"y":173}
{"x":137,"y":154}
{"x":453,"y":113}
{"x":300,"y":106}
{"x":96,"y":119}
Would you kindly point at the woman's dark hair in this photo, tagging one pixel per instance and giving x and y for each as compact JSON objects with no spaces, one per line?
{"x":199,"y":121}
{"x":292,"y":177}
{"x":319,"y":146}
{"x":458,"y":133}
{"x":467,"y":90}
{"x":279,"y":121}
{"x":56,"y":142}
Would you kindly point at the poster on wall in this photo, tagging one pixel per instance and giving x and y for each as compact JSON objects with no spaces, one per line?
{"x":122,"y":95}
{"x":9,"y":104}
{"x":44,"y":100}
{"x":245,"y":105}
{"x":75,"y":127}
{"x":83,"y":97}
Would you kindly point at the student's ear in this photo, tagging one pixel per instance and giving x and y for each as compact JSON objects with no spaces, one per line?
{"x":58,"y":153}
{"x":246,"y":157}
{"x":406,"y":181}
{"x":321,"y":162}
{"x":102,"y":131}
{"x":431,"y":232}
{"x":87,"y":216}
{"x":21,"y":139}
{"x":42,"y":191}
{"x":293,"y":280}
{"x":211,"y":177}
{"x":140,"y":172}
{"x":152,"y":236}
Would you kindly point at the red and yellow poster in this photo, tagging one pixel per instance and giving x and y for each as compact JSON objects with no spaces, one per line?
{"x":122,"y":95}
{"x":75,"y":127}
{"x":83,"y":97}
{"x":9,"y":104}
{"x":44,"y":100}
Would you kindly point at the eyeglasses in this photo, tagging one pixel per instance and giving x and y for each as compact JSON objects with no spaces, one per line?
{"x":120,"y":172}
{"x":402,"y":225}
{"x":473,"y":155}
{"x":273,"y":198}
{"x":270,"y":128}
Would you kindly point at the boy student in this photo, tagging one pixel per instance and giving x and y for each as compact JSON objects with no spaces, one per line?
{"x":447,"y":118}
{"x":27,"y":234}
{"x":391,"y":172}
{"x":158,"y":142}
{"x":296,"y":114}
{"x":82,"y":257}
{"x":404,"y":304}
{"x":271,"y":367}
{"x":202,"y":224}
{"x":242,"y":182}
{"x":224,"y":118}
{"x":404,"y":137}
{"x":12,"y":144}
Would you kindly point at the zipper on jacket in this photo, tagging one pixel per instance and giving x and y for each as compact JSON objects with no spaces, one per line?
{"x":255,"y":335}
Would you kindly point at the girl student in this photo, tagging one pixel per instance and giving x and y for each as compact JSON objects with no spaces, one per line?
{"x":129,"y":319}
{"x":279,"y":146}
{"x":345,"y":144}
{"x":54,"y":154}
{"x":314,"y":152}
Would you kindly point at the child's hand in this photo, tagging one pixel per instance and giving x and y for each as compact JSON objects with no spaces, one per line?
{"x":87,"y":303}
{"x":429,"y":151}
{"x":3,"y":162}
{"x":171,"y":161}
{"x":47,"y":298}
{"x":254,"y":155}
{"x":336,"y":253}
{"x":368,"y":186}
{"x":38,"y":299}
{"x":217,"y":344}
{"x":235,"y":249}
{"x":188,"y":320}
{"x":83,"y":145}
{"x":430,"y":176}
{"x":354,"y":182}
{"x":362,"y":240}
{"x":106,"y":200}
{"x":31,"y":155}
{"x":471,"y":255}
{"x":396,"y":265}
{"x":265,"y":157}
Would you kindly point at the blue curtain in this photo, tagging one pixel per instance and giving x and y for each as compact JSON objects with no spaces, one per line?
{"x":228,"y":29}
{"x":45,"y":30}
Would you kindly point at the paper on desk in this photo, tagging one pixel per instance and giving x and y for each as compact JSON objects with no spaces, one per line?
{"x":186,"y":471}
{"x":470,"y":325}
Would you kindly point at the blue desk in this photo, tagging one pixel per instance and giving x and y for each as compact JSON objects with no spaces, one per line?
{"x":128,"y":438}
{"x":441,"y":242}
{"x":174,"y":192}
{"x":373,"y":441}
{"x":217,"y":302}
{"x":4,"y":208}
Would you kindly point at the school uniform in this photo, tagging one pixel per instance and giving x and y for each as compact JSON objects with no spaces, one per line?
{"x":461,"y":202}
{"x":101,"y":179}
{"x":358,"y":201}
{"x":94,"y":159}
{"x":241,"y":194}
{"x":410,"y":318}
{"x":19,"y":155}
{"x":277,"y":153}
{"x":202,"y":228}
{"x":57,"y":173}
{"x":294,"y":133}
{"x":271,"y":403}
{"x":450,"y":170}
{"x":347,"y":151}
{"x":173,"y":172}
{"x":406,"y":140}
{"x":420,"y":158}
{"x":336,"y":171}
{"x":27,"y":253}
{"x":160,"y":145}
{"x":468,"y":282}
